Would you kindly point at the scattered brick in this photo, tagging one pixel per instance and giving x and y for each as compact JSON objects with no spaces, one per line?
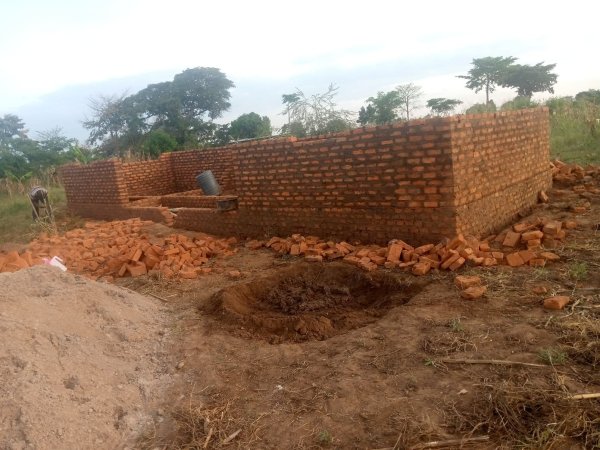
{"x":421,"y":268}
{"x":466,"y":281}
{"x":550,"y":256}
{"x":558,"y":302}
{"x":473,"y":292}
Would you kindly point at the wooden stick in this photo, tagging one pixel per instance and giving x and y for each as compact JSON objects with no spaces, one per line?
{"x":210,"y":432}
{"x":438,"y":444}
{"x":584,"y":396}
{"x":492,"y":361}
{"x":231,"y":437}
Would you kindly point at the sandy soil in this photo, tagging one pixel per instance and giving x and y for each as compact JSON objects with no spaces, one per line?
{"x":82,"y":363}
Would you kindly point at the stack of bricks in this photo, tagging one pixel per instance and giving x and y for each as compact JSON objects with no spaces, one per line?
{"x":526,"y":243}
{"x":122,"y":248}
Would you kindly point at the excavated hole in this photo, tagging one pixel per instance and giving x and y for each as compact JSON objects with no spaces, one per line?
{"x":308,"y":302}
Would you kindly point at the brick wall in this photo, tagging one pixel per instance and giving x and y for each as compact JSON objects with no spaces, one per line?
{"x":149,"y":177}
{"x":102,"y":182}
{"x":186,"y":165}
{"x":417,"y":181}
{"x":500,"y":163}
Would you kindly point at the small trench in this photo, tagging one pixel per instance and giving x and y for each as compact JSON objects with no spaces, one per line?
{"x":306,"y":302}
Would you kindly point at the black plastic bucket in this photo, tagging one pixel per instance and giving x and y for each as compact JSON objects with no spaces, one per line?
{"x":208,"y":183}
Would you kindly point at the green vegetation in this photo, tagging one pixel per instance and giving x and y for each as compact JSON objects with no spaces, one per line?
{"x":487,"y":73}
{"x":250,"y":126}
{"x":442,"y":106}
{"x":184,"y":109}
{"x":324,"y":437}
{"x":390,"y":106}
{"x":492,"y":71}
{"x":22,"y":158}
{"x":578,"y":270}
{"x":575,"y":128}
{"x":552,"y":356}
{"x":17,"y":224}
{"x":456,"y":325}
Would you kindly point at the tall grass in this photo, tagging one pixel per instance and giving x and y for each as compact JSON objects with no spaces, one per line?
{"x":575,"y":131}
{"x":16,"y":222}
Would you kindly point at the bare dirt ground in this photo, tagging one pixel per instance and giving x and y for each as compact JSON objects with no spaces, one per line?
{"x":324,"y":356}
{"x":82,"y":364}
{"x":291,"y":355}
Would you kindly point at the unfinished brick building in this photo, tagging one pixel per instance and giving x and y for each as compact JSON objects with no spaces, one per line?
{"x":418,"y":181}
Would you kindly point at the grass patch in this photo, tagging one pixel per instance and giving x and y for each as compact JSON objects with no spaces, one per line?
{"x":324,"y":438}
{"x":552,"y":356}
{"x":578,"y":270}
{"x":455,"y":325}
{"x":17,"y":224}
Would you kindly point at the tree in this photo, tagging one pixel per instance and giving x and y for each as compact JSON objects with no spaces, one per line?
{"x":408,"y":95}
{"x":11,"y":127}
{"x":157,"y":142}
{"x":250,"y":126}
{"x":381,"y":109}
{"x":114,"y":124}
{"x":315,"y":114}
{"x":442,"y":106}
{"x":528,"y":80}
{"x":183,"y":108}
{"x":487,"y":73}
{"x":591,"y":96}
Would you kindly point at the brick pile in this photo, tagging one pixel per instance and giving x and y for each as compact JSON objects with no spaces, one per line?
{"x":565,"y":173}
{"x":122,"y":248}
{"x":525,"y":243}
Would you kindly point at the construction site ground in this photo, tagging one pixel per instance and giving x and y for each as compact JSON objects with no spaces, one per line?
{"x":267,"y":351}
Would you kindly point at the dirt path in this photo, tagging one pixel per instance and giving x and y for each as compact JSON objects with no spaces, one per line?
{"x":82,"y":363}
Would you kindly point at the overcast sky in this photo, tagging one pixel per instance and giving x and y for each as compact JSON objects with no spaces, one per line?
{"x":56,"y":54}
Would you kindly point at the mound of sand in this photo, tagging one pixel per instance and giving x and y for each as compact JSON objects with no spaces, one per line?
{"x":81,"y":363}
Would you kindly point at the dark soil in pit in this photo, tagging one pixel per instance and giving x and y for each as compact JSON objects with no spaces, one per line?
{"x":308,"y":302}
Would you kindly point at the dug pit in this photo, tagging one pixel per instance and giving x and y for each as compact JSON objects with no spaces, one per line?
{"x":308,"y":302}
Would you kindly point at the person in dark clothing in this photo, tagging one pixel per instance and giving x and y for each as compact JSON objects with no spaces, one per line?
{"x":39,"y":199}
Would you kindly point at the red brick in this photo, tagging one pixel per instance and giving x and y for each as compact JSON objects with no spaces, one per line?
{"x":511,"y":239}
{"x":558,"y":302}
{"x":514,"y":259}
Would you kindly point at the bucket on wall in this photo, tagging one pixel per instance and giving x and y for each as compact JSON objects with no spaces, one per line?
{"x":208,"y":183}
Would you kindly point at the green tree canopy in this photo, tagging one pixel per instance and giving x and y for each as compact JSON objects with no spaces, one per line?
{"x":528,"y":80}
{"x":591,"y":95}
{"x":487,"y":73}
{"x":442,"y":106}
{"x":250,"y":126}
{"x":183,"y":108}
{"x":381,"y":109}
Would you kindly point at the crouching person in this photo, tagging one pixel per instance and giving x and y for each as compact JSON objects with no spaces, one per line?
{"x":39,"y":199}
